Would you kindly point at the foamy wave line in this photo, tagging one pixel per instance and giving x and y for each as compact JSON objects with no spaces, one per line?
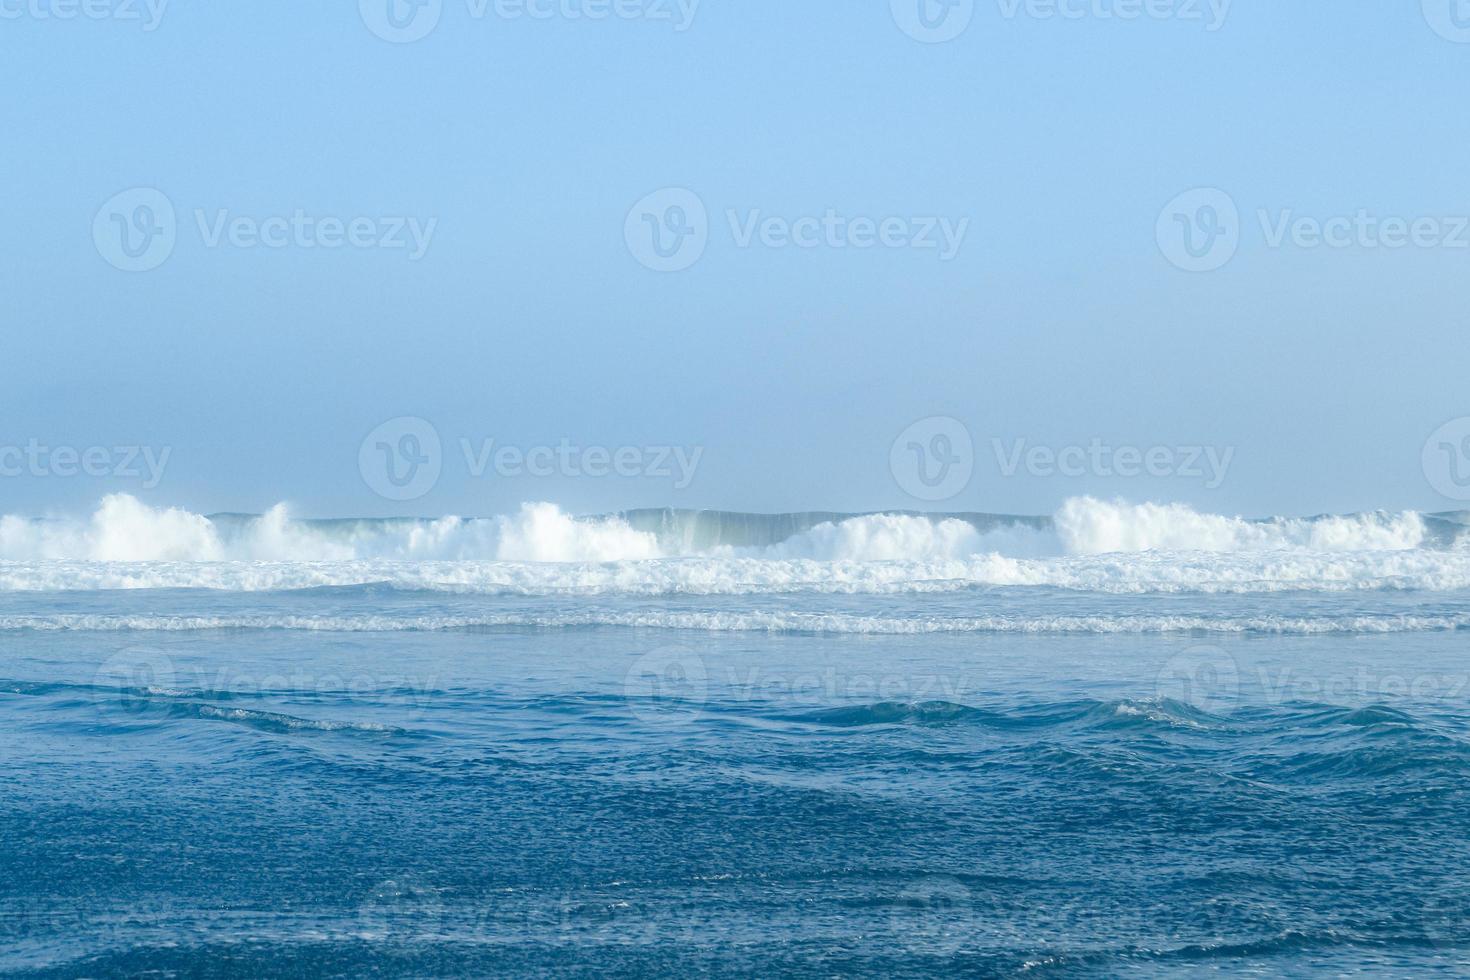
{"x":768,"y":622}
{"x":125,"y":529}
{"x":1166,"y":573}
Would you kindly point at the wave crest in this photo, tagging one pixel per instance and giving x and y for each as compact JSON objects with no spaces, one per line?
{"x":1089,"y":545}
{"x":124,"y":529}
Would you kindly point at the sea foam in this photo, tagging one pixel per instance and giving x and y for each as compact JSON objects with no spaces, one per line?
{"x":1092,"y":545}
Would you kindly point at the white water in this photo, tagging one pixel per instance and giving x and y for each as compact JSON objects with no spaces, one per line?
{"x":1091,"y":545}
{"x":789,"y":621}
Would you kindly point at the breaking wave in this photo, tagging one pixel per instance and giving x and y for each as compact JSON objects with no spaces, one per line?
{"x":1091,"y":545}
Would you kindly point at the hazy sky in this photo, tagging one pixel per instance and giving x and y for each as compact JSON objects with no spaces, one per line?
{"x":983,"y":228}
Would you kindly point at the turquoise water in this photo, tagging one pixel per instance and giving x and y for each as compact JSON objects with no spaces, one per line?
{"x":486,"y":767}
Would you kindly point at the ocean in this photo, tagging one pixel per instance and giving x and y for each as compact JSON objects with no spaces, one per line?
{"x":1121,"y":738}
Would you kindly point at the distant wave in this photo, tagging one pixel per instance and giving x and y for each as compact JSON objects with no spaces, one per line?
{"x":1117,"y":574}
{"x":765,"y":622}
{"x":1088,"y":544}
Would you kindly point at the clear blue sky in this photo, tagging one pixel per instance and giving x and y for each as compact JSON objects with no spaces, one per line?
{"x":528,"y":320}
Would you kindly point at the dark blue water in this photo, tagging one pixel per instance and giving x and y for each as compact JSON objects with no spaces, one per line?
{"x":611,"y":801}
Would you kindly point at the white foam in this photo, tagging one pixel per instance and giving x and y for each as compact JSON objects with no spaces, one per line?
{"x":1096,"y":546}
{"x":772,"y":622}
{"x":124,"y":529}
{"x":1119,"y":574}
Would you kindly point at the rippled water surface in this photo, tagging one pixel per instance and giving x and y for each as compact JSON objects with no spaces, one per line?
{"x":615,"y":800}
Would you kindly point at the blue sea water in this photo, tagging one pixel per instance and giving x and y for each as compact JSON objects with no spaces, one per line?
{"x":847,"y":756}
